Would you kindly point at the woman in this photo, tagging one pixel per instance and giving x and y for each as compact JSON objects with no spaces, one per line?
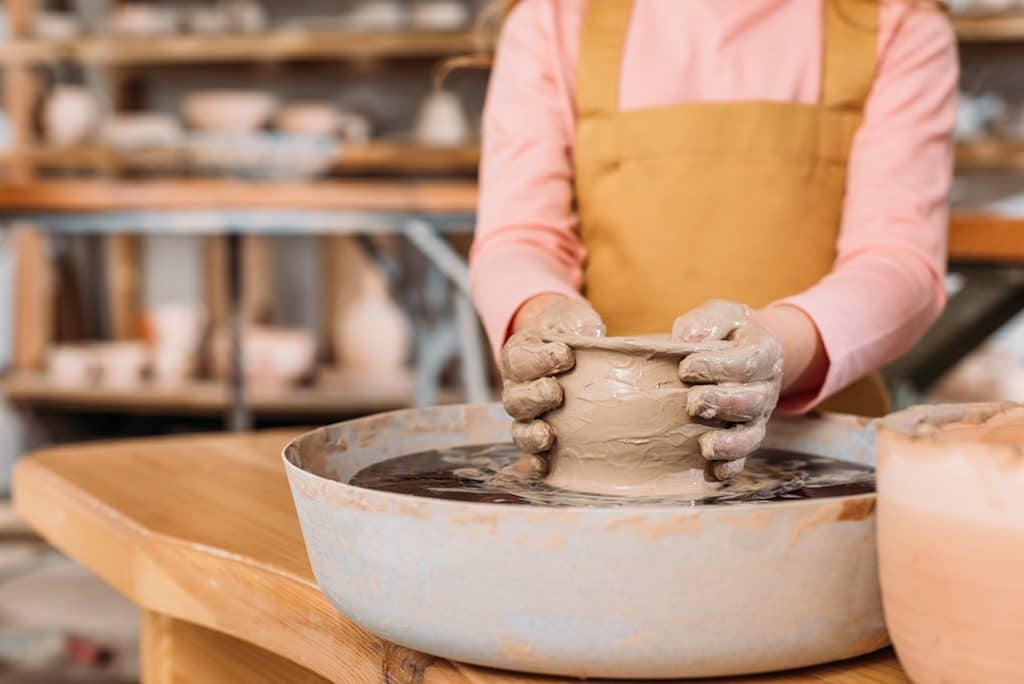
{"x":642,"y":157}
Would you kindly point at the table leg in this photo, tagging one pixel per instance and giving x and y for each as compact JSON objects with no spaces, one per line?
{"x":177,"y":652}
{"x":240,"y":417}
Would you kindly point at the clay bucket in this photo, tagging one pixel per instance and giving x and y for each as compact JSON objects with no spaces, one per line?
{"x":623,"y":426}
{"x":951,"y":543}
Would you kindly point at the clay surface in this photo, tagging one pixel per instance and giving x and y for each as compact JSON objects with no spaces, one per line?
{"x":623,"y":426}
{"x":951,"y":541}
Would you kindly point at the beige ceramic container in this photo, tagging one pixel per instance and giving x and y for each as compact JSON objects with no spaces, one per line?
{"x":951,"y":542}
{"x":229,"y":111}
{"x":623,"y":426}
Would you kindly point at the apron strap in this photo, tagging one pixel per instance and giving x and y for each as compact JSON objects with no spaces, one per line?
{"x":851,"y":49}
{"x":602,"y":44}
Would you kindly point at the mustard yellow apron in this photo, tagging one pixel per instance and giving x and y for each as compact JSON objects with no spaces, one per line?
{"x":734,"y":200}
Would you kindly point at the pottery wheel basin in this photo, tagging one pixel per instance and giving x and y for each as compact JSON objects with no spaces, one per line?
{"x":635,"y":592}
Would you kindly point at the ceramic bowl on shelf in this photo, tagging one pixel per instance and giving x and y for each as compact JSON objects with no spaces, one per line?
{"x":229,"y":111}
{"x":70,"y":115}
{"x":951,"y":541}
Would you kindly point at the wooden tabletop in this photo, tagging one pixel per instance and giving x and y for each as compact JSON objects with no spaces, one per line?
{"x":202,"y":529}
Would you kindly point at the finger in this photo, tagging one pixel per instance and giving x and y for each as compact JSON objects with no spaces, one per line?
{"x":732,"y":443}
{"x":761,"y":360}
{"x":713,"y":320}
{"x":571,"y":317}
{"x":737,"y":403}
{"x":533,"y":437}
{"x":526,"y":358}
{"x":723,"y":470}
{"x":527,"y":400}
{"x":529,"y":465}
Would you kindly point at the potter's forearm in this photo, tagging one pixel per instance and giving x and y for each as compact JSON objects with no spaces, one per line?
{"x":804,"y":360}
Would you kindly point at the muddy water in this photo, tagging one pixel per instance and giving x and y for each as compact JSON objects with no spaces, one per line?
{"x":487,"y":473}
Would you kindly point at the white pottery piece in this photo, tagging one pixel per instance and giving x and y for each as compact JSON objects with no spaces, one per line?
{"x":142,"y":130}
{"x":122,"y":364}
{"x":371,"y":332}
{"x":70,"y":115}
{"x":207,"y":20}
{"x":442,"y":121}
{"x":272,"y":358}
{"x":73,"y":365}
{"x":951,"y":543}
{"x":245,"y":16}
{"x":309,"y":118}
{"x":175,"y":332}
{"x":439,"y":15}
{"x":630,"y":592}
{"x":145,"y":20}
{"x":49,"y":25}
{"x":377,"y":15}
{"x":229,"y":111}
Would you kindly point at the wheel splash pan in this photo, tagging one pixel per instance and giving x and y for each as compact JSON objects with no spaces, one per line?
{"x":632,"y":592}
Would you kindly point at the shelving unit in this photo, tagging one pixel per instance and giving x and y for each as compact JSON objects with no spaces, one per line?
{"x":990,"y":28}
{"x":377,"y":157}
{"x":347,"y":393}
{"x":990,"y":154}
{"x":275,"y":46}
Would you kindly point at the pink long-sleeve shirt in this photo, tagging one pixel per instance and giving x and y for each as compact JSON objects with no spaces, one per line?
{"x":886,"y":286}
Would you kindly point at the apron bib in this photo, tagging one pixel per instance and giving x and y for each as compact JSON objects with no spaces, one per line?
{"x":734,"y":200}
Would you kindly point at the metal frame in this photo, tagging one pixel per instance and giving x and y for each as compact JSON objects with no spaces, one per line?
{"x":434,"y":347}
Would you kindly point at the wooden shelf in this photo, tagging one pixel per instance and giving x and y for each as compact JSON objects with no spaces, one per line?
{"x":986,"y":238}
{"x":990,"y":28}
{"x":273,"y":46}
{"x":346,"y":394}
{"x":381,"y":156}
{"x":990,"y":154}
{"x":410,"y":196}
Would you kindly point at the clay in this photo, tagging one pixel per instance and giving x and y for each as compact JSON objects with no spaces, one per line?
{"x":623,"y":426}
{"x":442,"y":121}
{"x":951,"y":540}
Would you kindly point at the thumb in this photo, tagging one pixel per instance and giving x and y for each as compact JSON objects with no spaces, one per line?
{"x":715,"y":319}
{"x":571,"y":317}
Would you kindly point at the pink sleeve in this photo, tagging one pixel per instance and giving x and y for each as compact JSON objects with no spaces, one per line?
{"x":526,"y":241}
{"x":887,"y":285}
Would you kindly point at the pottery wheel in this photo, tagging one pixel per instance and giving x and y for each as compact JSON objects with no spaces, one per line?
{"x":629,"y":589}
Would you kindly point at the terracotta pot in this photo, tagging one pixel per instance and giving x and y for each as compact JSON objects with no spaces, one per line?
{"x":951,"y":542}
{"x":623,"y":425}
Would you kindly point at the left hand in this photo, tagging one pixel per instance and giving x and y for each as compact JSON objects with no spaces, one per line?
{"x":739,"y":385}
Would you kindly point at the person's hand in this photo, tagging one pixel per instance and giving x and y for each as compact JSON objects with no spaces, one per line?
{"x":738,"y":386}
{"x":528,"y":367}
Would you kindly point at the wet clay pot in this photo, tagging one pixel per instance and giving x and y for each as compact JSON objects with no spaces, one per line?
{"x":623,"y":426}
{"x":951,"y":545}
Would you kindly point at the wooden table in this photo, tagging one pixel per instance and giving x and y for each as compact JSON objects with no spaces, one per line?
{"x":200,"y":531}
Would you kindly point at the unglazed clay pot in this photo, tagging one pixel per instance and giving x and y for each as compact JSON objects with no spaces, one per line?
{"x":951,"y":542}
{"x":229,"y":111}
{"x":623,"y":426}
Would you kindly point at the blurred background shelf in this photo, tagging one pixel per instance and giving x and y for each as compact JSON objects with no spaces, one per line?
{"x":278,"y":45}
{"x":990,"y":154}
{"x":377,"y":157}
{"x":346,"y":393}
{"x":990,"y":28}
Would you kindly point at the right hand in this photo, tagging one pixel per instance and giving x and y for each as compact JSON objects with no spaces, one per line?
{"x":528,"y":367}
